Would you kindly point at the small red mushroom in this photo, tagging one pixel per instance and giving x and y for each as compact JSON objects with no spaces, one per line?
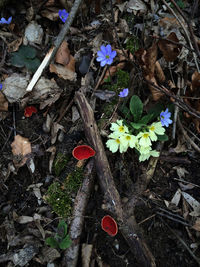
{"x":28,"y":111}
{"x":109,"y":225}
{"x":83,"y":152}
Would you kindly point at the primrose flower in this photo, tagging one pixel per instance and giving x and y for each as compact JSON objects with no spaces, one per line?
{"x":145,"y":140}
{"x":115,"y":144}
{"x":1,"y":86}
{"x":63,"y":15}
{"x":106,"y":55}
{"x":128,"y":140}
{"x":4,"y":21}
{"x":165,"y":118}
{"x":123,"y":93}
{"x":156,"y":128}
{"x":146,"y":156}
{"x":119,"y":127}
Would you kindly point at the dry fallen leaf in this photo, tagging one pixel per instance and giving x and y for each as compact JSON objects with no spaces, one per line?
{"x":170,"y":50}
{"x":3,"y":103}
{"x":50,"y":13}
{"x":63,"y":72}
{"x":14,"y":46}
{"x":63,"y":54}
{"x":21,"y":149}
{"x":196,"y":226}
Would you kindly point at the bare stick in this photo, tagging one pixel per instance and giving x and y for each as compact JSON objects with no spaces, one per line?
{"x":128,"y":225}
{"x":46,"y":61}
{"x":71,"y":254}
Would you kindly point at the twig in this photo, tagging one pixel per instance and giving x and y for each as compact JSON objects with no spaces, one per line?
{"x":71,"y":254}
{"x":195,"y":45}
{"x":128,"y":225}
{"x":46,"y":61}
{"x":187,"y":137}
{"x":183,"y":243}
{"x":186,"y":182}
{"x":184,"y":29}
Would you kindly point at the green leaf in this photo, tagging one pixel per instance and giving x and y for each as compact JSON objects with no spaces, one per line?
{"x":147,"y":118}
{"x":137,"y":125}
{"x":65,"y":243}
{"x":27,"y":52}
{"x":126,"y":112}
{"x":136,"y":107}
{"x":155,"y":110}
{"x":62,"y":229}
{"x":32,"y":64}
{"x":17,"y":60}
{"x":163,"y":137}
{"x":51,"y":241}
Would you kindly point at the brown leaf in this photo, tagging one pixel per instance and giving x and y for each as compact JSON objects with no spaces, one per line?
{"x":156,"y":94}
{"x":14,"y":46}
{"x":3,"y":103}
{"x":159,"y":73}
{"x":195,"y":81}
{"x":170,"y":51}
{"x":21,"y":148}
{"x":196,"y":226}
{"x":63,"y":72}
{"x":150,"y":59}
{"x":63,"y":54}
{"x":50,"y":13}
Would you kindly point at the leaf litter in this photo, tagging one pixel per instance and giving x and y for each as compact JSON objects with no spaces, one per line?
{"x":163,"y":68}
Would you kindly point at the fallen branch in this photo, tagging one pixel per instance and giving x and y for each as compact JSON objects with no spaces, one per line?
{"x":71,"y":254}
{"x":51,"y":53}
{"x":128,"y":225}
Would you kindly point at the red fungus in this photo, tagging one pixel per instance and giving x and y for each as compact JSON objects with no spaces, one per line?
{"x":28,"y":111}
{"x":109,"y":225}
{"x":83,"y":152}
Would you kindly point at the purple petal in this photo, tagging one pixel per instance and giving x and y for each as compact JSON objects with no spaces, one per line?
{"x":113,"y":54}
{"x":4,"y":21}
{"x":109,"y":61}
{"x":109,"y":49}
{"x":103,"y":63}
{"x":100,"y":54}
{"x":9,"y":20}
{"x":103,"y":49}
{"x":100,"y":59}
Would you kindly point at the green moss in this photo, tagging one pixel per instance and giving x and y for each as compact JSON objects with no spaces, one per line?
{"x":122,"y":81}
{"x":59,"y":196}
{"x":132,"y":44}
{"x":60,"y":163}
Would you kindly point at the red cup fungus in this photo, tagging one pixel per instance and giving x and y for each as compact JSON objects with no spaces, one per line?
{"x":28,"y":111}
{"x":83,"y":152}
{"x":109,"y":225}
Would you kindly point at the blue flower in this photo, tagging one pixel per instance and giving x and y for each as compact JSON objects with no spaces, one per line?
{"x":63,"y":15}
{"x":1,"y":86}
{"x":106,"y":55}
{"x":123,"y":93}
{"x":4,"y":21}
{"x":165,"y":118}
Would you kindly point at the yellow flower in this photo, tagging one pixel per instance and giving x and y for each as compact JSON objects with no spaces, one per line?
{"x":128,"y":140}
{"x":119,"y":127}
{"x":144,"y":139}
{"x":115,"y":144}
{"x":146,"y":156}
{"x":156,"y":128}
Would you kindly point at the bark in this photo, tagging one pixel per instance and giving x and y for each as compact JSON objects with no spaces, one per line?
{"x":71,"y":254}
{"x":126,"y":222}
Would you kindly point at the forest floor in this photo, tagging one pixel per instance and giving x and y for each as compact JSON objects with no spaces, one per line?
{"x":76,"y":101}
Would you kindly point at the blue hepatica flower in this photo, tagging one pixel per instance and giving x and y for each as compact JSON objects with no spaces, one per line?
{"x":4,"y":21}
{"x":165,"y":118}
{"x":63,"y":15}
{"x":123,"y":93}
{"x":106,"y":55}
{"x":1,"y":86}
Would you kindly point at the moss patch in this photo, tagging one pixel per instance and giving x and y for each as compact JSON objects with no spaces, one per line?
{"x":60,"y":163}
{"x":59,"y":195}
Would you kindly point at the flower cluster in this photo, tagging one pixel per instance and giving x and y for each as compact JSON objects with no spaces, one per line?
{"x":4,"y":21}
{"x":63,"y":15}
{"x":106,"y":55}
{"x":121,"y":139}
